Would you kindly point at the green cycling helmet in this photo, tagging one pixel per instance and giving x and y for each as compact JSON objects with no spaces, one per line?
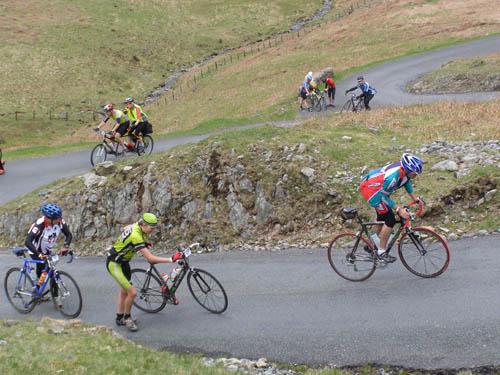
{"x":149,"y":219}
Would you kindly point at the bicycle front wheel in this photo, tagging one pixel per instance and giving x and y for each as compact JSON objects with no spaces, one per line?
{"x":349,"y":261}
{"x":148,"y":146}
{"x":347,"y":107}
{"x":98,"y":155}
{"x":66,"y":294}
{"x":20,"y":290}
{"x":317,"y":104}
{"x":150,"y":297}
{"x":207,"y":291}
{"x":424,"y":252}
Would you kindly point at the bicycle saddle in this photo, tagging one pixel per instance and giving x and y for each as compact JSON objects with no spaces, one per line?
{"x":348,"y":213}
{"x":20,"y":251}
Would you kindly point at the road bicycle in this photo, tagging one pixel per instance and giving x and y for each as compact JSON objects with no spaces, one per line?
{"x":24,"y":291}
{"x":318,"y":102}
{"x":422,"y":250}
{"x":110,"y":146}
{"x":153,"y":292}
{"x":353,"y":104}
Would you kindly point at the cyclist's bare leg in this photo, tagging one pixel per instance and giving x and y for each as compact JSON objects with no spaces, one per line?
{"x":126,"y":299}
{"x":384,"y":234}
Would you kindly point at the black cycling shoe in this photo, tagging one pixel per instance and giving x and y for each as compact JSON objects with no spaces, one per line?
{"x":367,"y":249}
{"x":387,"y":258}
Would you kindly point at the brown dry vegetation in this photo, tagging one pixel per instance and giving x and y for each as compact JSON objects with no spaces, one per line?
{"x":272,"y":76}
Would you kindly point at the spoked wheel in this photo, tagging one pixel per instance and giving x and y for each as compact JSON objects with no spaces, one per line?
{"x":347,"y":107}
{"x":150,"y":297}
{"x":207,"y":291}
{"x":148,"y":146}
{"x":66,"y":294}
{"x":424,"y":252}
{"x":98,"y":155}
{"x":20,"y":290}
{"x":350,"y":262}
{"x":318,"y":104}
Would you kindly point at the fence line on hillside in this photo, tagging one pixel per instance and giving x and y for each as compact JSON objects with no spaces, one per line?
{"x":191,"y":80}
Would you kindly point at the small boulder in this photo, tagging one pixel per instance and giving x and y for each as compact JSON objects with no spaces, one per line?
{"x":445,"y":165}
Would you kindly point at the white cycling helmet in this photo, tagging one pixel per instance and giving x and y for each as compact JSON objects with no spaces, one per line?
{"x":309,"y":76}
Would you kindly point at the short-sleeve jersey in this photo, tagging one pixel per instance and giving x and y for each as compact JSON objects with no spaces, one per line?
{"x":131,"y":240}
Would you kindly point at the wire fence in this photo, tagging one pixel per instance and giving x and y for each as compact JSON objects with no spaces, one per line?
{"x":189,"y":81}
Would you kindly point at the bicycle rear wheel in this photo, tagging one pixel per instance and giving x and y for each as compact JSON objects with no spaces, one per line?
{"x":349,"y":261}
{"x":98,"y":155}
{"x":347,"y":107}
{"x":150,"y":297}
{"x":207,"y":291}
{"x":66,"y":294}
{"x":20,"y":290}
{"x":317,"y":103}
{"x":148,"y":146}
{"x":424,"y":252}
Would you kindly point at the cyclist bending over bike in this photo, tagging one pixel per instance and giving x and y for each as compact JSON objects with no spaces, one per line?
{"x":133,"y":239}
{"x":139,"y":119}
{"x":122,"y":123}
{"x":305,"y":90}
{"x":44,"y":232}
{"x":377,"y":186}
{"x":367,"y":91}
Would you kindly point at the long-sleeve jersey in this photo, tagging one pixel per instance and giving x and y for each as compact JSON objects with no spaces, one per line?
{"x":379,"y":184}
{"x":365,"y":88}
{"x":42,"y":237}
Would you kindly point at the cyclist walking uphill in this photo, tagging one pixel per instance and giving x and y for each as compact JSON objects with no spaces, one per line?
{"x":367,"y":91}
{"x":122,"y":122}
{"x":377,"y":186}
{"x":330,"y":90}
{"x":133,"y":239}
{"x":43,"y":234}
{"x":140,"y":124}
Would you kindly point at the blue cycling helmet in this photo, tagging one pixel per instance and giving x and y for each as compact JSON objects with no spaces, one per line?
{"x":51,"y":211}
{"x":411,"y":163}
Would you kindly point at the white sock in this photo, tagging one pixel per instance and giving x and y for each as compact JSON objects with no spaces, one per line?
{"x":380,"y":251}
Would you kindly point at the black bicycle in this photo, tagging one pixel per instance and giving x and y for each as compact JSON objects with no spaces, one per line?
{"x":318,"y":102}
{"x":24,"y":290}
{"x":422,"y":250}
{"x":153,"y":293}
{"x":109,"y":146}
{"x":353,"y":104}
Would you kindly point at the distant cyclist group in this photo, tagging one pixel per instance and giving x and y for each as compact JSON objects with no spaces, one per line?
{"x":310,"y":88}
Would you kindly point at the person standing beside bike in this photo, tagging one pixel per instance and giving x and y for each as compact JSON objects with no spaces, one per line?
{"x":43,"y":234}
{"x":305,"y":90}
{"x":377,"y":186}
{"x":367,"y":92}
{"x":122,"y":123}
{"x":133,"y":239}
{"x":330,"y":90}
{"x":140,"y":124}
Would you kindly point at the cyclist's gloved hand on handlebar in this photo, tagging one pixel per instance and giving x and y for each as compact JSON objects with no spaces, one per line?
{"x":404,"y":213}
{"x":178,"y":255}
{"x":345,"y":92}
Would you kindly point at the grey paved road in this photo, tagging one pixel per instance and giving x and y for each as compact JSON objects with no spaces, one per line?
{"x":290,"y":306}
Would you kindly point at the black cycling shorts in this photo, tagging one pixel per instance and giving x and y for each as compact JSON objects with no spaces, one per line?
{"x":122,"y":129}
{"x":388,"y":218}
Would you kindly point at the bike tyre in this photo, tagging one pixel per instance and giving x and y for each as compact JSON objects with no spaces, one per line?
{"x":144,"y":291}
{"x":337,"y":264}
{"x":443,"y":248}
{"x":317,"y":104}
{"x":65,"y":280}
{"x":98,"y":155}
{"x":193,"y":280}
{"x":31,"y":303}
{"x":347,"y":107}
{"x":148,"y":145}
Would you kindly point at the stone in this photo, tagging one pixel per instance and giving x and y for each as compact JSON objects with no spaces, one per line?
{"x":445,"y":165}
{"x":452,"y":237}
{"x":489,"y":195}
{"x":105,"y":169}
{"x":482,"y":232}
{"x":92,"y":180}
{"x":264,"y":209}
{"x":308,"y":172}
{"x":127,"y":168}
{"x":237,"y":213}
{"x":479,"y":202}
{"x":301,"y":148}
{"x":346,"y":138}
{"x":261,"y":363}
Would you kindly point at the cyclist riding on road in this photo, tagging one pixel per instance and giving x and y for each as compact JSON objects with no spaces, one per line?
{"x":133,"y":239}
{"x":139,"y":119}
{"x":377,"y":186}
{"x":122,"y":122}
{"x":43,"y":234}
{"x":367,"y":91}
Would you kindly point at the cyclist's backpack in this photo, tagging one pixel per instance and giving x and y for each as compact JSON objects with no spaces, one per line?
{"x":148,"y":129}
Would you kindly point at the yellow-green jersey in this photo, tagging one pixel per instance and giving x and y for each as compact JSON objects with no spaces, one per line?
{"x":136,"y":114}
{"x":131,"y":240}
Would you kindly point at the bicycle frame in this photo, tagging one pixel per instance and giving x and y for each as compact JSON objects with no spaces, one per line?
{"x":184,"y":263}
{"x":26,"y":272}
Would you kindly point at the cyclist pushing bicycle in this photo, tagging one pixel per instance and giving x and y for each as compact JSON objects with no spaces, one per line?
{"x":43,"y":235}
{"x":377,"y":186}
{"x":133,"y":239}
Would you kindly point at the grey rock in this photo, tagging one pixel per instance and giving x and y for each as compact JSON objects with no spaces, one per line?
{"x":91,"y":180}
{"x":445,"y":165}
{"x":264,"y":209}
{"x":237,"y":213}
{"x":489,"y":195}
{"x":246,"y":185}
{"x":308,"y":172}
{"x":301,"y":148}
{"x":261,"y":363}
{"x":106,"y":168}
{"x":346,"y":138}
